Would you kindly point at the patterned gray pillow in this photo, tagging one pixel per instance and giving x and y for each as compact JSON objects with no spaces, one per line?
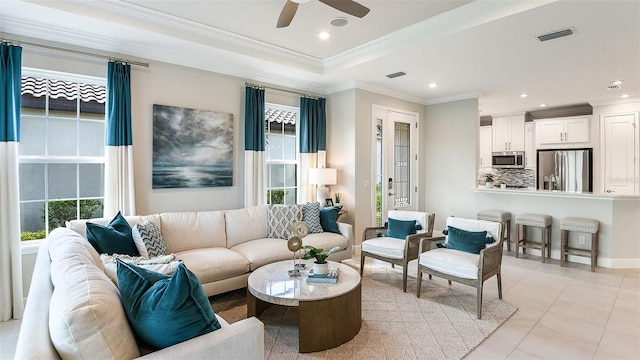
{"x":281,"y":217}
{"x":152,"y":238}
{"x":311,"y":215}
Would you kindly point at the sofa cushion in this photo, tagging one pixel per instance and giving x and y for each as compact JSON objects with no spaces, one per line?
{"x":152,"y":239}
{"x":260,"y":252}
{"x":454,"y":262}
{"x":166,"y":264}
{"x":236,"y":224}
{"x":165,"y":310}
{"x":80,"y":226}
{"x":401,"y":228}
{"x":213,"y":264}
{"x":114,"y":237}
{"x":193,"y":230}
{"x":329,"y":218}
{"x":86,"y":318}
{"x":281,"y":217}
{"x":311,"y":216}
{"x":326,"y":240}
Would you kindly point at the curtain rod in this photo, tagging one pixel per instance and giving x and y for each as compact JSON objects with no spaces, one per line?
{"x":279,"y":89}
{"x":84,"y":53}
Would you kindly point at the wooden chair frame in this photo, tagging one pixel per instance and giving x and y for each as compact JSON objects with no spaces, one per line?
{"x":490,"y":264}
{"x":411,"y":247}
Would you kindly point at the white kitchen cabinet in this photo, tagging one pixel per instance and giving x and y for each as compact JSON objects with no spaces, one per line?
{"x":562,"y":131}
{"x":529,"y":145}
{"x":485,"y":146}
{"x":620,"y":145}
{"x":508,"y":133}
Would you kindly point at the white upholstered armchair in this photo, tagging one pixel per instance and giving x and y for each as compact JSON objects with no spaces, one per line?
{"x":398,"y":243}
{"x":467,"y":259}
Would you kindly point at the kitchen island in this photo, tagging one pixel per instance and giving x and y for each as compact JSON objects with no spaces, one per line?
{"x":619,"y":218}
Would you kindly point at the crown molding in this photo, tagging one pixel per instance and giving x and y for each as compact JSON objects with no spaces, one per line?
{"x":461,"y":18}
{"x":457,"y":97}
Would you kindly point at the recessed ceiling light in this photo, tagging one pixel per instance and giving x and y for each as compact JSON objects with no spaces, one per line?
{"x":339,"y":21}
{"x":617,"y":82}
{"x":624,"y":96}
{"x":543,"y":105}
{"x":300,"y":1}
{"x":524,"y":95}
{"x":433,"y":85}
{"x":324,"y":35}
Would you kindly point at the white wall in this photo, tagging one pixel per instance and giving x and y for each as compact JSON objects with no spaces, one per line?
{"x":450,"y":143}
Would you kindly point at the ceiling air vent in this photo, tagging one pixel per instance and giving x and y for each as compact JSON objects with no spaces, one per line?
{"x":395,"y":75}
{"x":556,"y":34}
{"x":614,"y":87}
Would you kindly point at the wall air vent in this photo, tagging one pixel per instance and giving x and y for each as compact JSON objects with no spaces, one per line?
{"x":395,"y":75}
{"x":556,"y":34}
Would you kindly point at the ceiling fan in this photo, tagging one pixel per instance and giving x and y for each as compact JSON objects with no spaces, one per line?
{"x":347,"y":6}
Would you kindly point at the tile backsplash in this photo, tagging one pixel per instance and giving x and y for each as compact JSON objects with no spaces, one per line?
{"x":511,"y":177}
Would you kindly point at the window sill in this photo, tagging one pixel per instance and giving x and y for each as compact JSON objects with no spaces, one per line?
{"x":30,"y":246}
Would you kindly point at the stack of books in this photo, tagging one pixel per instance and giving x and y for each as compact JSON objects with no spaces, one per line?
{"x":331,"y":278}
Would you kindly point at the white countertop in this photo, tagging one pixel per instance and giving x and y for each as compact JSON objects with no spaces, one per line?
{"x":566,"y":194}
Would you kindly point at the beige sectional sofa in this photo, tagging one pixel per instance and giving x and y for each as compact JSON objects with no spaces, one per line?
{"x":220,"y":247}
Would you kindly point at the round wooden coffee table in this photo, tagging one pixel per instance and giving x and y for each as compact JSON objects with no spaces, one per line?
{"x":330,"y":314}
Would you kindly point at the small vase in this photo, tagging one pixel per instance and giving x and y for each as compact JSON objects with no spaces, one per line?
{"x":488,"y":185}
{"x":321,"y":269}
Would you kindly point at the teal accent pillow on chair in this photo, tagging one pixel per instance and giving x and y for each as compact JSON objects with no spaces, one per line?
{"x":329,"y":219}
{"x":400,"y":228}
{"x":115,"y":238}
{"x":467,"y":241}
{"x":165,"y":310}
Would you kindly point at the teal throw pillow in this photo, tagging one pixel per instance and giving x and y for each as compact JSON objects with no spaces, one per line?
{"x":400,"y":228}
{"x":329,"y":218}
{"x":115,"y":238}
{"x":467,"y":241}
{"x":164,"y":310}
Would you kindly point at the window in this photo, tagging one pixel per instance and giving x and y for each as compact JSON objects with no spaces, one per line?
{"x":282,"y":154}
{"x":61,"y":158}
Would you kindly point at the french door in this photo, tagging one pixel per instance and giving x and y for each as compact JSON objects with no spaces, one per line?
{"x":396,"y":160}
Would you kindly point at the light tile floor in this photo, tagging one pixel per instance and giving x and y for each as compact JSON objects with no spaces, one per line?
{"x":564,"y":313}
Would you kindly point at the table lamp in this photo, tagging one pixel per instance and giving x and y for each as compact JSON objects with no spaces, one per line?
{"x":322,"y":177}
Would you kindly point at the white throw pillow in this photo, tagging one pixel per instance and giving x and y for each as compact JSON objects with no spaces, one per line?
{"x":281,"y":217}
{"x":166,"y":264}
{"x":137,"y":240}
{"x":152,"y":239}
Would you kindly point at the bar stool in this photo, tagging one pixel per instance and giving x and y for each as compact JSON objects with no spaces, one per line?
{"x":503,"y":217}
{"x":534,"y":220}
{"x":582,"y":225}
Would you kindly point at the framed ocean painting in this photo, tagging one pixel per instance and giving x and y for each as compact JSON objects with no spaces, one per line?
{"x":191,"y":148}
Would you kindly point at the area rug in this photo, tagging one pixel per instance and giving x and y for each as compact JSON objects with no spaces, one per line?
{"x":442,"y":324}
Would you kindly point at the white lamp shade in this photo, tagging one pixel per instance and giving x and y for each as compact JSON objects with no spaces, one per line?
{"x":322,"y":176}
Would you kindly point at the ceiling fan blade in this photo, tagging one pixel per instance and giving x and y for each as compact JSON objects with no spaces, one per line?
{"x":348,"y":6}
{"x":288,"y":11}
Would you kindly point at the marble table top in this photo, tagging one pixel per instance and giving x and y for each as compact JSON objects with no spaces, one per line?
{"x":272,"y":283}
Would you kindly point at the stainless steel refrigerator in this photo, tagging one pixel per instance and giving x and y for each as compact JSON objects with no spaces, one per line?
{"x":565,"y":170}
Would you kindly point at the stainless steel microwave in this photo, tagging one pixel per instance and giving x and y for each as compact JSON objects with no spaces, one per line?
{"x":508,"y":159}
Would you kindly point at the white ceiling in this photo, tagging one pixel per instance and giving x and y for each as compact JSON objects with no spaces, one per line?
{"x":483,"y":48}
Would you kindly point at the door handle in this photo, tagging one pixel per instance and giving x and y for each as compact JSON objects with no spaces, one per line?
{"x":609,"y":191}
{"x":391,"y":194}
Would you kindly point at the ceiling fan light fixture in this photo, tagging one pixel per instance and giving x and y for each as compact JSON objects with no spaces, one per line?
{"x":339,"y":21}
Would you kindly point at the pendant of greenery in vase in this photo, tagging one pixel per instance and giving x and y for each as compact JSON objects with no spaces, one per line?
{"x":338,"y":197}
